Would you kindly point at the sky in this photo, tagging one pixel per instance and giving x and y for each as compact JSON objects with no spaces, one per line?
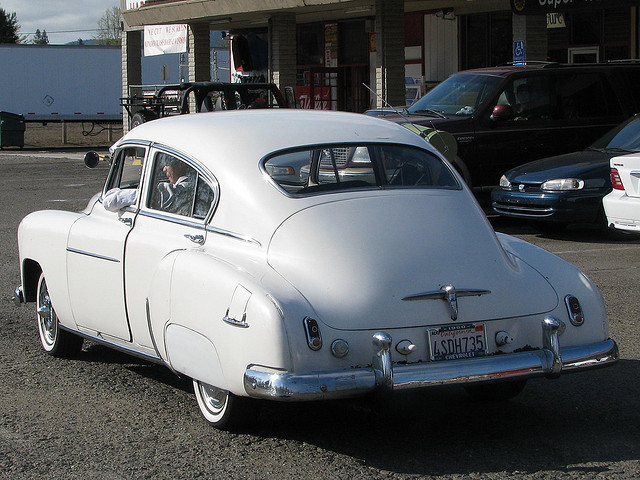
{"x":64,"y":20}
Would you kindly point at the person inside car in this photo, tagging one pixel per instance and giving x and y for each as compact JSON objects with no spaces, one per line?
{"x":176,"y":194}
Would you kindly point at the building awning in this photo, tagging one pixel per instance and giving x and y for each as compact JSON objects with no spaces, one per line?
{"x":537,"y":7}
{"x":236,"y":12}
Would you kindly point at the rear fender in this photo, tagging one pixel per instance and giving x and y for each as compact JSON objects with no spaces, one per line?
{"x":209,"y":320}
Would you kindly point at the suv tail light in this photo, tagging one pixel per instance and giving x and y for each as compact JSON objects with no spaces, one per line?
{"x":616,"y":182}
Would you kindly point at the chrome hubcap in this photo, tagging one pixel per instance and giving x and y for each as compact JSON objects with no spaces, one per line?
{"x":46,"y":316}
{"x":214,"y":397}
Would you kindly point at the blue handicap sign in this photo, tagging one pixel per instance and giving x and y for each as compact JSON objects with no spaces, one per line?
{"x":518,"y":52}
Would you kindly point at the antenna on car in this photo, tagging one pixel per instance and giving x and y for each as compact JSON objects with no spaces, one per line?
{"x":386,"y":104}
{"x":447,"y":144}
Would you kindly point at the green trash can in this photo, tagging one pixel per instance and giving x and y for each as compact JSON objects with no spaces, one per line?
{"x":11,"y":130}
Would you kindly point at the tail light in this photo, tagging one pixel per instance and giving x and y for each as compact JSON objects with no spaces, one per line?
{"x":575,"y":310}
{"x":312,"y":331}
{"x":616,"y":181}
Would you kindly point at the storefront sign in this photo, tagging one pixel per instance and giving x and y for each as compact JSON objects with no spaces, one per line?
{"x":555,"y":20}
{"x":160,"y":39}
{"x":536,"y":7}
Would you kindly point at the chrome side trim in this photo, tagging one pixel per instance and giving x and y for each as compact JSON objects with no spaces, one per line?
{"x":237,"y":236}
{"x":94,"y":255}
{"x":261,"y":382}
{"x":115,"y":346}
{"x":185,"y":221}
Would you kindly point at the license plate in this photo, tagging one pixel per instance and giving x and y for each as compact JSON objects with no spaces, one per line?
{"x":451,"y":342}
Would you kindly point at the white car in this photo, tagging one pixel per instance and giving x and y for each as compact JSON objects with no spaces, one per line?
{"x":248,"y":263}
{"x":622,"y":205}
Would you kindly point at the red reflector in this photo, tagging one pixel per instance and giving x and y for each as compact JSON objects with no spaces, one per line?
{"x":616,"y":181}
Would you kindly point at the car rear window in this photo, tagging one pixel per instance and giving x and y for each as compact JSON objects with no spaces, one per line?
{"x":331,"y":168}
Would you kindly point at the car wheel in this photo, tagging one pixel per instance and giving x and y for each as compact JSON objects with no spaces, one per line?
{"x":139,"y":118}
{"x":220,"y":407}
{"x":496,"y":392}
{"x":54,"y":340}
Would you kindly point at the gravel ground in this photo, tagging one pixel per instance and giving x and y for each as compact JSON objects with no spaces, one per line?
{"x":104,"y":415}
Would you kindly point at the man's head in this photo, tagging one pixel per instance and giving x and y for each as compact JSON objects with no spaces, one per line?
{"x":174,"y":170}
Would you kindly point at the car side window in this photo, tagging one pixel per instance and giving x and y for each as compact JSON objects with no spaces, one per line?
{"x":178,"y":188}
{"x":530,"y":99}
{"x":126,"y":169}
{"x":587,"y":95}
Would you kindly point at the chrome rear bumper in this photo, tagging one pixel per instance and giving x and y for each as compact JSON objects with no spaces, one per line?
{"x":550,"y":361}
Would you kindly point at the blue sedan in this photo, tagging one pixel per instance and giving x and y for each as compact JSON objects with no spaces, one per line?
{"x":565,"y":189}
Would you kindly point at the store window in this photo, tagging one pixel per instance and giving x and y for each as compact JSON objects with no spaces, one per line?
{"x":487,"y":39}
{"x":604,"y":30}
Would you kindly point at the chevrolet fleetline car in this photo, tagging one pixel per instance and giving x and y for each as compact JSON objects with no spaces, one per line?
{"x":303,"y":255}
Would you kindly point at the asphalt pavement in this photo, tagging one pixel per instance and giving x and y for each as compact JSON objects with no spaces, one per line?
{"x":104,"y":415}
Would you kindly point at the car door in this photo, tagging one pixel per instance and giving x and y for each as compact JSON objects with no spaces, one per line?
{"x":95,"y":253}
{"x":172,"y":218}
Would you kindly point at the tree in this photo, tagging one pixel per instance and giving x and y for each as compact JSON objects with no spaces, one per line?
{"x":109,"y":27}
{"x":9,"y":27}
{"x":40,"y":38}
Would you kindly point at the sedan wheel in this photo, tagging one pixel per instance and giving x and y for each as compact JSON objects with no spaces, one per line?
{"x":55,"y":341}
{"x":218,"y":406}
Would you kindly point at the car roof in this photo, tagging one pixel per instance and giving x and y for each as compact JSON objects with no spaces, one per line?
{"x":246,"y":136}
{"x":505,"y":70}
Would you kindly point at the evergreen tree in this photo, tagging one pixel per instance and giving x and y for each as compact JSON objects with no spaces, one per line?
{"x":8,"y":27}
{"x":41,"y":38}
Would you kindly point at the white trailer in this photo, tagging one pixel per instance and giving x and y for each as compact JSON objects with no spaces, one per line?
{"x":50,"y":83}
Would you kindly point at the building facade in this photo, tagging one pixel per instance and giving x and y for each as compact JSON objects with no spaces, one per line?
{"x":357,"y":54}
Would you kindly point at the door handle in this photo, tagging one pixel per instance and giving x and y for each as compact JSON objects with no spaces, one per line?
{"x":128,"y":221}
{"x":199,"y":239}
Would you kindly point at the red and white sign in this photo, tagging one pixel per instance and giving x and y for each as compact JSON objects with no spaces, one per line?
{"x":161,"y":39}
{"x":130,"y":4}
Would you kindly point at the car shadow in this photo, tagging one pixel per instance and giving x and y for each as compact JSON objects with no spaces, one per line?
{"x":100,"y":354}
{"x":581,"y":233}
{"x":552,"y":425}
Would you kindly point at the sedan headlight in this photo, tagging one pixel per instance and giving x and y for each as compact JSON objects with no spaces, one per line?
{"x":561,"y":184}
{"x":504,"y":183}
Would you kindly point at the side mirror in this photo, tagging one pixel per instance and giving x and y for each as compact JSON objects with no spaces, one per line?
{"x":91,"y":159}
{"x":501,"y":113}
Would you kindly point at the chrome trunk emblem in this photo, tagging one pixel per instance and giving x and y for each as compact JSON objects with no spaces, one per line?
{"x":451,"y":298}
{"x":449,"y":294}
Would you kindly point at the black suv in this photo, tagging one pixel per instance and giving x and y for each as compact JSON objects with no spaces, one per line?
{"x":502,"y":117}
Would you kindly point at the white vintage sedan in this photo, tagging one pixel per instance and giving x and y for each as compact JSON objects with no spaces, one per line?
{"x":303,"y":255}
{"x":622,"y":204}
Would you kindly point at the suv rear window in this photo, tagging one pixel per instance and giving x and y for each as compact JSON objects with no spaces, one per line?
{"x":331,"y":168}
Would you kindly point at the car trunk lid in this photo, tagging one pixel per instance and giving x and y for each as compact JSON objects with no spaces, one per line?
{"x":381,"y":261}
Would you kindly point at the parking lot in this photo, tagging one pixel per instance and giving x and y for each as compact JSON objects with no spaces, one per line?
{"x":107,"y":415}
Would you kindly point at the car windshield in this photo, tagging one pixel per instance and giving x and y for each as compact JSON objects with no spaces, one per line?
{"x":330,"y":168}
{"x":624,"y":137}
{"x":460,"y":94}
